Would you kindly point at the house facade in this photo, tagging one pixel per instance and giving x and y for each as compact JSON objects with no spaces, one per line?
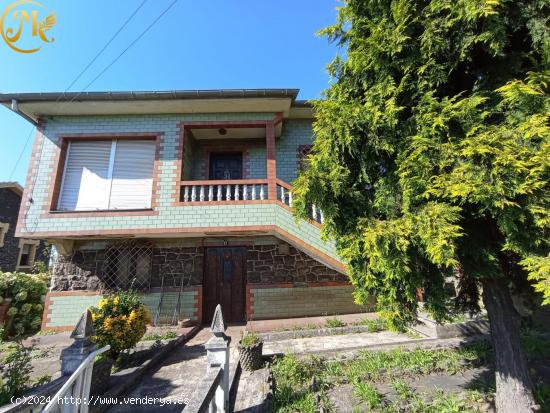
{"x":16,"y":254}
{"x":184,"y":196}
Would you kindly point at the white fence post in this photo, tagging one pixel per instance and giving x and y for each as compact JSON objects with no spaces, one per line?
{"x":217,"y":355}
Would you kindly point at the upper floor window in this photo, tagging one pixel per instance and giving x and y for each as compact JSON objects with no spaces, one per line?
{"x":107,"y":175}
{"x":3,"y":230}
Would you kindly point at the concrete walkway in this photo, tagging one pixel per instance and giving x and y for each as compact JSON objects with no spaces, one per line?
{"x":342,"y":342}
{"x":175,"y":380}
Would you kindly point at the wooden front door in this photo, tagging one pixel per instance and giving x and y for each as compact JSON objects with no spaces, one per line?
{"x":226,"y":166}
{"x":224,"y":283}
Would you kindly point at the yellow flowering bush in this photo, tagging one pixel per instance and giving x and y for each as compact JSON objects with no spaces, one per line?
{"x":120,"y":320}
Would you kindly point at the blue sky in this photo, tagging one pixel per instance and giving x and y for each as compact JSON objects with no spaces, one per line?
{"x":206,"y":44}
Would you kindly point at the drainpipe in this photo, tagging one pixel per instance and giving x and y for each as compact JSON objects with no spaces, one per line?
{"x":15,"y":108}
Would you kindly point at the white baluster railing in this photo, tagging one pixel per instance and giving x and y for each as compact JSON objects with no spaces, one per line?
{"x":224,"y":191}
{"x":284,"y":195}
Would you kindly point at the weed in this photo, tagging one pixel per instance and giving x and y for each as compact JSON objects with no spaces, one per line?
{"x":248,"y":339}
{"x":167,"y":335}
{"x":373,"y":326}
{"x":334,"y":322}
{"x":404,"y":392}
{"x":368,"y":394}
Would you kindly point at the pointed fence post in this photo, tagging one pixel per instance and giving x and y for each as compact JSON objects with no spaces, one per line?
{"x":72,"y":356}
{"x":217,"y":355}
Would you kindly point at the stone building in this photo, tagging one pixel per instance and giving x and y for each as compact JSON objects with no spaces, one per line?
{"x":16,"y":253}
{"x":185,"y":196}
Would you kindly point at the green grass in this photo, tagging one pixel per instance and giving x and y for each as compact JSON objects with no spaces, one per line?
{"x":373,"y":326}
{"x":368,"y":394}
{"x":166,"y":335}
{"x":334,"y":322}
{"x":295,"y":392}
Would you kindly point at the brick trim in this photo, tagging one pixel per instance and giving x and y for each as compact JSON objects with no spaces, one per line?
{"x":271,"y":160}
{"x":32,"y":169}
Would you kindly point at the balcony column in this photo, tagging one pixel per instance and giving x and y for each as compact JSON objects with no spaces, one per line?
{"x":271,"y":161}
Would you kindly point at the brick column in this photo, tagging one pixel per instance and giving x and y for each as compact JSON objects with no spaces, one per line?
{"x":271,"y":161}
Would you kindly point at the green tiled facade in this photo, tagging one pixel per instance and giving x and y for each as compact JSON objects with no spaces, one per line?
{"x":65,"y":310}
{"x":303,"y":301}
{"x":295,"y":132}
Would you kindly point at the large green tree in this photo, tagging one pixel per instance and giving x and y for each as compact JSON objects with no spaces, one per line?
{"x":432,"y":158}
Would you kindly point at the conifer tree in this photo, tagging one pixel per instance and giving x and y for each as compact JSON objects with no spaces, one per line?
{"x":432,"y":158}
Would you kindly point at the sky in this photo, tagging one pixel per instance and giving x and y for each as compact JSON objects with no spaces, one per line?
{"x":206,"y":44}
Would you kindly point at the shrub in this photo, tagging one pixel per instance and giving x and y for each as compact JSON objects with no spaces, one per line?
{"x":26,"y":292}
{"x":120,"y":320}
{"x":15,"y":371}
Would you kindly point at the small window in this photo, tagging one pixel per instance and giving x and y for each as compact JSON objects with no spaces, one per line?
{"x":303,"y":152}
{"x":27,"y":253}
{"x":3,"y":230}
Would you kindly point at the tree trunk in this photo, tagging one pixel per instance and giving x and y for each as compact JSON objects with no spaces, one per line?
{"x":514,"y":389}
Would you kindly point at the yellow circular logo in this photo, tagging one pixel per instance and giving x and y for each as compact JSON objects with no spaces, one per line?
{"x":27,"y":29}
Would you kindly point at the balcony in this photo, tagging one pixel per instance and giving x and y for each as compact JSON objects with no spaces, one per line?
{"x":231,"y":191}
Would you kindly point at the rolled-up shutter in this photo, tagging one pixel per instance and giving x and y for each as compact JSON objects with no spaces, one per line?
{"x":85,"y":184}
{"x":132,"y":178}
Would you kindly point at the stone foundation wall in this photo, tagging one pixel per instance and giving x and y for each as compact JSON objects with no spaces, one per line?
{"x":83,"y":270}
{"x":282,"y":263}
{"x":282,"y":281}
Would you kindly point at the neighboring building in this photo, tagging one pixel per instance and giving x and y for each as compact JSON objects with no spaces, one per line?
{"x":16,"y":253}
{"x":184,"y":196}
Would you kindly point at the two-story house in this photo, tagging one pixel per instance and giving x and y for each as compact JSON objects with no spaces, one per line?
{"x":16,"y":254}
{"x":184,"y":196}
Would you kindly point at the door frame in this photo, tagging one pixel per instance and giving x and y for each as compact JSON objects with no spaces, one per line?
{"x":221,"y":150}
{"x":245,"y":314}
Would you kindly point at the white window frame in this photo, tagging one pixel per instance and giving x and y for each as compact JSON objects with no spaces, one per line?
{"x":112,"y":156}
{"x":4,"y":227}
{"x":33,"y":246}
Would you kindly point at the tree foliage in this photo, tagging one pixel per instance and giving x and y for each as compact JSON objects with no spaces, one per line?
{"x":432,"y":149}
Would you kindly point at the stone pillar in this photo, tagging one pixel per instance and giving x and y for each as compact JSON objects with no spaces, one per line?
{"x":217,"y":355}
{"x":72,"y":356}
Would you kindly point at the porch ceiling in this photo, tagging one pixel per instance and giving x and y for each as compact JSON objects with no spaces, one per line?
{"x":233,"y":133}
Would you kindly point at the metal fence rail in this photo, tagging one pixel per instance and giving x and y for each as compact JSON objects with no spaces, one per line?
{"x":74,"y":395}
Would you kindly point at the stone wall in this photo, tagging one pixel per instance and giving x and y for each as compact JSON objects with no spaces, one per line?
{"x":84,"y":269}
{"x":282,"y":263}
{"x":9,"y":252}
{"x":175,"y":263}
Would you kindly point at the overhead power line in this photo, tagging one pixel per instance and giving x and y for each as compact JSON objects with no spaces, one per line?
{"x":21,"y":154}
{"x":126,"y":49}
{"x":113,"y":37}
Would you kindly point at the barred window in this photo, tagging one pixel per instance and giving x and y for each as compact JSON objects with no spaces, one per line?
{"x":303,"y":152}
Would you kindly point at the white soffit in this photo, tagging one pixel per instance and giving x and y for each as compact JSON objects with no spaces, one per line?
{"x":140,"y":107}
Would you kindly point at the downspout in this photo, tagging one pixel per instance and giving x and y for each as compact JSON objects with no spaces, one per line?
{"x":15,"y":108}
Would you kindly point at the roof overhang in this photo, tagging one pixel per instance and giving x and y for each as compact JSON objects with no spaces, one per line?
{"x":14,"y":186}
{"x":36,"y":105}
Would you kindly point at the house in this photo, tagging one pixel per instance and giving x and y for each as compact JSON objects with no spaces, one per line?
{"x":184,"y":196}
{"x":16,"y":253}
